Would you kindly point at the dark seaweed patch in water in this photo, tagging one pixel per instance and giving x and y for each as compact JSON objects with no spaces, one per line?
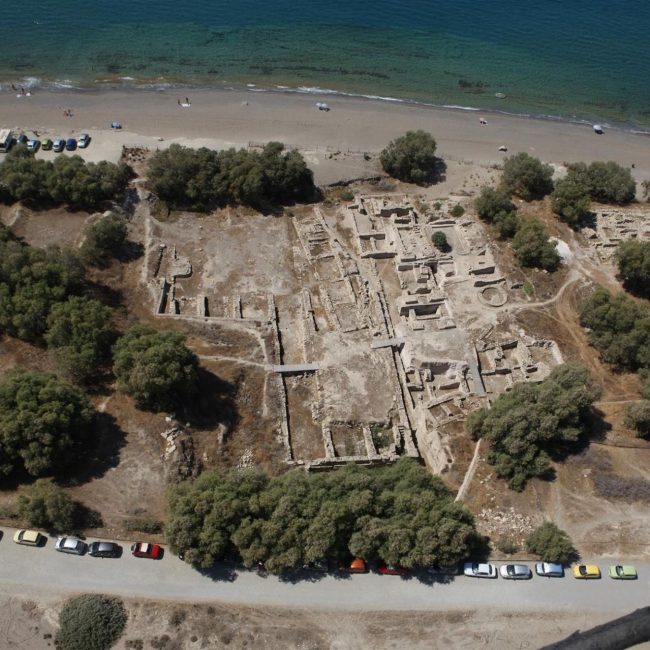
{"x":307,"y":68}
{"x":476,"y":86}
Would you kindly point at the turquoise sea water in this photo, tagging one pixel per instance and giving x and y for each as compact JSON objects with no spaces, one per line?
{"x":567,"y":58}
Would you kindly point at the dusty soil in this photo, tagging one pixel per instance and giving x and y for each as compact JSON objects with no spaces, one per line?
{"x":30,"y":625}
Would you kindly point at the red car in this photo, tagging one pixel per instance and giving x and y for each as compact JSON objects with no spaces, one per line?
{"x":144,"y":549}
{"x":390,"y":570}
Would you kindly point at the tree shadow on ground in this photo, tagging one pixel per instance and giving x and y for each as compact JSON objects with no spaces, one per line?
{"x":103,"y":293}
{"x":214,"y":402}
{"x":219,"y":573}
{"x":130,"y":251}
{"x":99,"y":453}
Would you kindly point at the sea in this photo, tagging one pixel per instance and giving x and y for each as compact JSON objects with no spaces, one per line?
{"x":566,"y":59}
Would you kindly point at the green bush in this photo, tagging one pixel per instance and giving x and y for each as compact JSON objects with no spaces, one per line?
{"x":534,"y":423}
{"x":45,"y":505}
{"x":201,"y":179}
{"x":637,"y":417}
{"x":457,"y":211}
{"x":507,"y":545}
{"x":90,"y":622}
{"x":507,"y":223}
{"x":552,"y":544}
{"x":533,"y":248}
{"x":399,"y":513}
{"x":81,"y":334}
{"x":143,"y":525}
{"x":42,"y":419}
{"x":155,"y":368}
{"x":527,"y":177}
{"x":439,"y":240}
{"x":411,"y":157}
{"x":605,"y":182}
{"x":104,"y":239}
{"x":633,"y":258}
{"x":492,"y":202}
{"x":570,"y":201}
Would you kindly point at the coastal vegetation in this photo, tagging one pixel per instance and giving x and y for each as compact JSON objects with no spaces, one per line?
{"x":103,"y":241}
{"x":439,"y":240}
{"x":552,"y":544}
{"x":532,"y":246}
{"x":411,"y":158}
{"x":526,"y":177}
{"x":201,"y":179}
{"x":535,"y":423}
{"x":42,"y":419}
{"x":156,"y":368}
{"x":570,"y":201}
{"x":605,"y":182}
{"x":400,"y":514}
{"x":67,"y":180}
{"x":633,"y":258}
{"x":45,"y":505}
{"x":90,"y":622}
{"x":637,"y":417}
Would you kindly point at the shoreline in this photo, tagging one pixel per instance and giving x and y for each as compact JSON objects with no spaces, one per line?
{"x":223,"y":118}
{"x":130,"y":84}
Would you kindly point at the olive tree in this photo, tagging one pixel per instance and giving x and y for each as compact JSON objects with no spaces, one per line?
{"x":527,"y":177}
{"x":411,"y":157}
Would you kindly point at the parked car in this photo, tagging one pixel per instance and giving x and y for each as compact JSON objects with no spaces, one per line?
{"x":104,"y":549}
{"x":320,"y":566}
{"x":46,"y":145}
{"x":144,"y":549}
{"x":70,"y":545}
{"x":391,"y":570}
{"x":84,"y":140}
{"x":476,"y":570}
{"x":586,"y":571}
{"x":549,"y":569}
{"x":357,"y":565}
{"x":622,"y":572}
{"x":33,"y":145}
{"x":515,"y":572}
{"x":58,"y":146}
{"x":70,"y":144}
{"x":22,"y":139}
{"x":444,"y":570}
{"x":28,"y":537}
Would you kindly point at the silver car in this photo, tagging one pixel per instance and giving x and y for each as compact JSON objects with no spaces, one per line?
{"x":70,"y":545}
{"x":515,"y":572}
{"x":476,"y":570}
{"x":549,"y":569}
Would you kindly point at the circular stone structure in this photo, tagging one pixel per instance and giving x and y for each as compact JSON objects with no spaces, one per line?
{"x":493,"y":296}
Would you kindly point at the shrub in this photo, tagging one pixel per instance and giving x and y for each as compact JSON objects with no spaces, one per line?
{"x":457,"y":211}
{"x":606,"y":182}
{"x":104,"y":238}
{"x":534,"y":423}
{"x":507,"y":545}
{"x":633,"y":259}
{"x":439,"y":240}
{"x":90,"y":622}
{"x":527,"y":177}
{"x":492,"y":202}
{"x":570,"y":201}
{"x":81,"y":334}
{"x":552,"y":544}
{"x":45,"y":505}
{"x":507,"y":223}
{"x":411,"y":157}
{"x":143,"y":525}
{"x":41,"y":420}
{"x":619,"y":488}
{"x":399,"y":513}
{"x":533,"y":247}
{"x":637,"y":417}
{"x":155,"y":368}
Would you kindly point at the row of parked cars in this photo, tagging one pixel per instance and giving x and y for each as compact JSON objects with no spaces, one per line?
{"x":58,"y":145}
{"x":76,"y":546}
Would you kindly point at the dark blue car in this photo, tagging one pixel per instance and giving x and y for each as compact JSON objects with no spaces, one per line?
{"x":70,"y":144}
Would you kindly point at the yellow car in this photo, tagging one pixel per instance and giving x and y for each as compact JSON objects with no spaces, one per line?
{"x":586,"y":571}
{"x":28,"y":537}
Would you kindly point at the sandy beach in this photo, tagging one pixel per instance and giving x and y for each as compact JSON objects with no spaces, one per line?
{"x":220,"y":118}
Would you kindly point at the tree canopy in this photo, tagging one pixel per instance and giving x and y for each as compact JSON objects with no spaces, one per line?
{"x":533,"y":247}
{"x":411,"y":157}
{"x":45,"y":505}
{"x":551,"y":543}
{"x":41,"y":420}
{"x":605,"y":182}
{"x":67,"y":179}
{"x":637,"y":417}
{"x":491,"y":202}
{"x":155,"y":368}
{"x":81,"y":333}
{"x":619,"y":328}
{"x":527,"y":177}
{"x":90,"y":622}
{"x":103,"y":241}
{"x":570,"y":201}
{"x":534,"y":423}
{"x":201,"y":179}
{"x":32,"y":280}
{"x":400,"y":514}
{"x":633,"y":259}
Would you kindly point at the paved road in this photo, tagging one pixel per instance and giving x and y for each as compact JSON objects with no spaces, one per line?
{"x":29,"y":571}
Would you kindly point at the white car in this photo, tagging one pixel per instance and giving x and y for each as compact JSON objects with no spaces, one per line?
{"x":549,"y":570}
{"x":83,"y":141}
{"x":70,"y":545}
{"x":515,"y":572}
{"x":476,"y":570}
{"x":33,"y":145}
